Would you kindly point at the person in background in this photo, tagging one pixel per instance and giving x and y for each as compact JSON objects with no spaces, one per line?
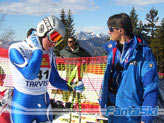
{"x":73,"y":50}
{"x":33,"y":67}
{"x":131,"y":78}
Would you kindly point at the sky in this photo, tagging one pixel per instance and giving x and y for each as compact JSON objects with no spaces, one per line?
{"x":88,"y":15}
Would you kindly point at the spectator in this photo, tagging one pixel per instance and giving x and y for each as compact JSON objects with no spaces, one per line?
{"x":71,"y":51}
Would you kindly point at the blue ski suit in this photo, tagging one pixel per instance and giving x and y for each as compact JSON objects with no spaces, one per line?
{"x":32,"y":72}
{"x":135,"y":82}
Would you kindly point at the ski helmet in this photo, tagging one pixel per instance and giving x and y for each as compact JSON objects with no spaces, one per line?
{"x":52,"y":27}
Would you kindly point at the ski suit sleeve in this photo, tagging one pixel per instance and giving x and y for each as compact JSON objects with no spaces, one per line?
{"x":29,"y":68}
{"x":149,"y":78}
{"x":56,"y":80}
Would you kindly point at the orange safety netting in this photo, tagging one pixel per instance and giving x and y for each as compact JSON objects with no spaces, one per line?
{"x":91,"y":72}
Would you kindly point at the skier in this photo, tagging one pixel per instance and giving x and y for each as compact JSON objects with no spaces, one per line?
{"x":33,"y":67}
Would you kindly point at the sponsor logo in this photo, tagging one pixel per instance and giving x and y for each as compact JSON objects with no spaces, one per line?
{"x":36,"y":83}
{"x":48,"y":24}
{"x":45,"y":61}
{"x":41,"y":28}
{"x":22,"y":51}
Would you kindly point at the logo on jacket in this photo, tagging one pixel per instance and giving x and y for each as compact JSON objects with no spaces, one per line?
{"x":133,"y":63}
{"x":150,"y":65}
{"x":45,"y":61}
{"x":110,"y":45}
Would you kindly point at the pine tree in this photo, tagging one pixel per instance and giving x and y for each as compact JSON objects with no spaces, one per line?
{"x":63,"y":17}
{"x":157,"y":46}
{"x":142,"y":31}
{"x":138,"y":27}
{"x":152,"y":18}
{"x":70,"y":31}
{"x":70,"y":24}
{"x":63,"y":44}
{"x":134,"y":20}
{"x":64,"y":20}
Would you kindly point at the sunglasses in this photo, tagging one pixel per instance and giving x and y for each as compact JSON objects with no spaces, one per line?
{"x":55,"y":37}
{"x":70,"y":41}
{"x":111,"y":29}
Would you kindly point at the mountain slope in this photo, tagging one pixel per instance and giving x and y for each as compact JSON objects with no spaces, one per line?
{"x":93,"y":43}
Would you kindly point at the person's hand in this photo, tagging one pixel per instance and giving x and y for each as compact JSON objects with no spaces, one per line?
{"x":142,"y":122}
{"x":33,"y":41}
{"x":79,"y":88}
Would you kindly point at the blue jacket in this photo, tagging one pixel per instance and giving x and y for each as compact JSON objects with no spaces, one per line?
{"x":137,"y":83}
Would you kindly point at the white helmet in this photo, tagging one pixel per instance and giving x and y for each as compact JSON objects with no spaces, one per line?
{"x":49,"y":25}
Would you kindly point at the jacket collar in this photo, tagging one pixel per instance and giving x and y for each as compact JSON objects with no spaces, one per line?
{"x":133,"y":43}
{"x":75,"y":50}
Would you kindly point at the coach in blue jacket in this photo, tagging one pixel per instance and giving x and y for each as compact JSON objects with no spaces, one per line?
{"x":130,"y":85}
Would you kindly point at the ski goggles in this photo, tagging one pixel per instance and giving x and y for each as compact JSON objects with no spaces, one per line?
{"x":55,"y":37}
{"x":111,"y":29}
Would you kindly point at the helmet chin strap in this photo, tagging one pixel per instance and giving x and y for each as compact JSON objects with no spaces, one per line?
{"x":40,"y":39}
